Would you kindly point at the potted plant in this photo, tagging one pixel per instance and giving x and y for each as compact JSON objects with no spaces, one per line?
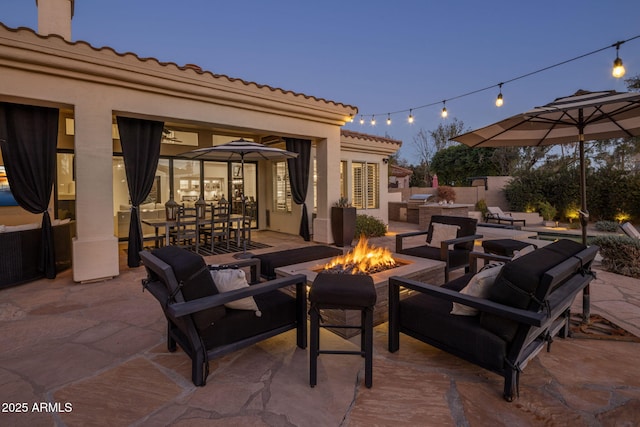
{"x":343,"y":222}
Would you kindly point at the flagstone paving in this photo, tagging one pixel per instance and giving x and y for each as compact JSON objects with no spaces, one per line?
{"x":95,"y":354}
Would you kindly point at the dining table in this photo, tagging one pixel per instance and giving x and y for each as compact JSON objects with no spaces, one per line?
{"x":163,"y":223}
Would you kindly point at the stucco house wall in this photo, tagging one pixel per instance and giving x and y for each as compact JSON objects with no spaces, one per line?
{"x":93,"y":85}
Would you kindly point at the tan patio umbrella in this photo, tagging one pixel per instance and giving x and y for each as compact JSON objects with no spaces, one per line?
{"x":583,"y":115}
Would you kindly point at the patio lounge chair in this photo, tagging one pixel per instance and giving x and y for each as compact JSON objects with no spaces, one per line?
{"x":198,"y":319}
{"x":524,"y":306}
{"x":494,"y":213}
{"x":453,"y":250}
{"x":630,"y":230}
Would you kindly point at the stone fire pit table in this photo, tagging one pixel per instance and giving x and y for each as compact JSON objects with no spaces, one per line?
{"x":420,"y":269}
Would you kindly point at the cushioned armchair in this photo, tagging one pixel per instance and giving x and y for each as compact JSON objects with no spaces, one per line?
{"x":513,"y":316}
{"x":206,"y":320}
{"x":444,"y":241}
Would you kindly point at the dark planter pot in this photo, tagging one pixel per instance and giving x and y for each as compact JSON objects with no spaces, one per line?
{"x":343,"y":225}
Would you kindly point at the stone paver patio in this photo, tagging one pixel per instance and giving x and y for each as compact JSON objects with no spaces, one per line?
{"x":95,"y":354}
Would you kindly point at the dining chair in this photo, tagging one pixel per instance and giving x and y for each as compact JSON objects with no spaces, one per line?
{"x":243,"y":228}
{"x":185,"y":232}
{"x":218,"y":226}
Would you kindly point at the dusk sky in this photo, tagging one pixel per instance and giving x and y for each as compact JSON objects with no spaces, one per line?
{"x":379,"y":56}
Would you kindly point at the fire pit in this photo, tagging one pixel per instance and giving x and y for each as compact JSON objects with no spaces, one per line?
{"x":420,"y":269}
{"x":363,"y":259}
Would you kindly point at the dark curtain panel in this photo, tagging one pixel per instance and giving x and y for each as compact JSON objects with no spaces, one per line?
{"x":299,"y":178}
{"x":140,"y":140}
{"x":28,"y":139}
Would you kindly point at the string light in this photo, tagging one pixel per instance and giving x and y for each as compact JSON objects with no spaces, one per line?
{"x":499,"y":100}
{"x":618,"y":71}
{"x":351,"y":118}
{"x":618,"y":68}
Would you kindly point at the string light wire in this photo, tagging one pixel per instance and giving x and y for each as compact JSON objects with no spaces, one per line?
{"x":498,"y":85}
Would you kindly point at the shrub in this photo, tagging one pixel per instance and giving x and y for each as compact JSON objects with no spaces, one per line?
{"x":481,"y":205}
{"x":620,"y":254}
{"x":368,"y":226}
{"x":446,"y":193}
{"x":610,"y":226}
{"x":547,"y":211}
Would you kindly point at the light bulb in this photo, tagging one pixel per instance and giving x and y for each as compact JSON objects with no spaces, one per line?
{"x":388,"y":119}
{"x":444,"y":112}
{"x":361,"y":120}
{"x":499,"y":100}
{"x":373,"y":120}
{"x":351,"y":118}
{"x":410,"y":119}
{"x":618,"y":68}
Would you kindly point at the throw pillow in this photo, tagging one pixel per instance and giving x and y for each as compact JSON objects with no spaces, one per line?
{"x":442,"y":232}
{"x":523,"y":252}
{"x":230,"y":279}
{"x":478,"y":286}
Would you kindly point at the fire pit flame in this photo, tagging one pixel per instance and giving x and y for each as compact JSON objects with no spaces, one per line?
{"x":363,"y":259}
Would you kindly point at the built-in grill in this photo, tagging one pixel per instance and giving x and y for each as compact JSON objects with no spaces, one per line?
{"x":418,"y":199}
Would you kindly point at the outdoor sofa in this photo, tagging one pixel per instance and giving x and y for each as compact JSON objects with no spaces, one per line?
{"x":20,"y":249}
{"x":524,"y":306}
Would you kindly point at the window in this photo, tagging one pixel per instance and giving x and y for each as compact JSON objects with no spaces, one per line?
{"x":366,"y":184}
{"x":315,"y":186}
{"x":281,"y":187}
{"x":343,"y":179}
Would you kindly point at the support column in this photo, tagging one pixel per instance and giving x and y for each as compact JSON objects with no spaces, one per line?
{"x":95,"y":247}
{"x":328,"y":164}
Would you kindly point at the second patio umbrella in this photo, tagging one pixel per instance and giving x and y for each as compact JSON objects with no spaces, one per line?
{"x":570,"y":119}
{"x":242,"y":150}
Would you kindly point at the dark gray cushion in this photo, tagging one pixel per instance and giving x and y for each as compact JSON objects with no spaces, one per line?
{"x":272,"y":260}
{"x":191,"y":271}
{"x":278,"y":309}
{"x":431,"y":317}
{"x":457,"y":257}
{"x":518,"y":284}
{"x":343,"y":290}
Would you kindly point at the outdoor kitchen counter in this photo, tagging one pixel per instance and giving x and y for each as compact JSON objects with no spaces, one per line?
{"x":430,"y":209}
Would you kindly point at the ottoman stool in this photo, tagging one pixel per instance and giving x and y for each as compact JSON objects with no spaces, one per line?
{"x":342,"y":292}
{"x":504,"y":247}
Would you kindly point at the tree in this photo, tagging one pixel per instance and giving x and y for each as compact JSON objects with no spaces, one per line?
{"x":444,"y":132}
{"x":426,"y":150}
{"x":633,"y":83}
{"x":429,"y":143}
{"x":458,"y":162}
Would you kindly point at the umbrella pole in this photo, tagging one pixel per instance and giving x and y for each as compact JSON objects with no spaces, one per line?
{"x":244,"y":240}
{"x":584,"y":218}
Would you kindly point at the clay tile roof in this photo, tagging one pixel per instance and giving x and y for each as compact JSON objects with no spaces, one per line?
{"x":368,"y":137}
{"x":193,"y":67}
{"x":399,"y":171}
